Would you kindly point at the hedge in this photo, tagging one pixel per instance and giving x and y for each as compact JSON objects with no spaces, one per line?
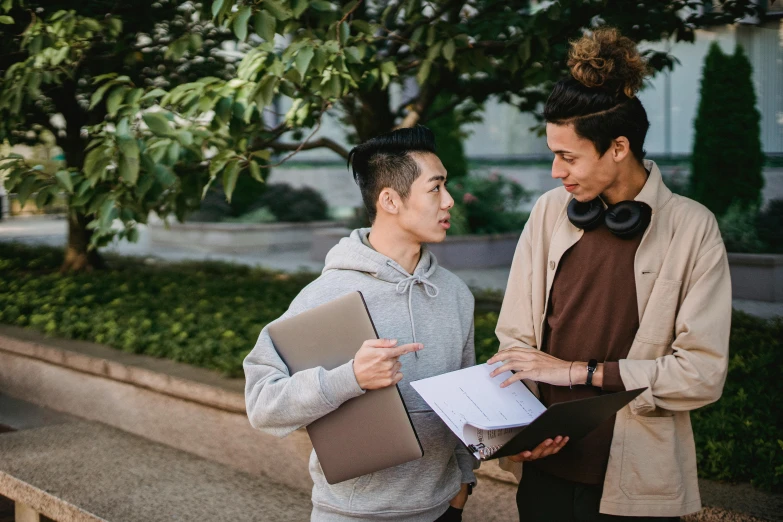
{"x":209,"y":315}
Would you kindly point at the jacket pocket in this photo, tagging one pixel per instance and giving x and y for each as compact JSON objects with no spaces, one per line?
{"x":657,"y":324}
{"x":651,"y":464}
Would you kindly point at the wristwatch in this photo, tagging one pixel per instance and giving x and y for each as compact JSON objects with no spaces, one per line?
{"x":591,"y":366}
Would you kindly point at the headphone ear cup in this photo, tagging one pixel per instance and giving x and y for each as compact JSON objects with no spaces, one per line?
{"x":626,"y":219}
{"x":586,"y":215}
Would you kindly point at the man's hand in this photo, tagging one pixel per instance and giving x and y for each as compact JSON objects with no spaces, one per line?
{"x":375,"y":364}
{"x":545,"y":449}
{"x":529,"y":363}
{"x":461,"y":499}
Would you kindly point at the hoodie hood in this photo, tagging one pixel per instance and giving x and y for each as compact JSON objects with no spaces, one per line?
{"x":352,"y":254}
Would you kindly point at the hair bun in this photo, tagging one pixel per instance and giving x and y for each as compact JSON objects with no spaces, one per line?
{"x":605,"y":59}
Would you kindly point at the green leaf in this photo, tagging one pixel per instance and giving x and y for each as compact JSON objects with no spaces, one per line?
{"x":524,"y":51}
{"x":321,"y":5}
{"x":185,"y":138}
{"x":417,"y":34}
{"x":173,"y":152}
{"x":106,"y":214}
{"x":255,"y":171}
{"x":63,"y":177}
{"x":158,"y":123}
{"x":434,"y":51}
{"x":7,"y":20}
{"x":345,"y":32}
{"x":424,"y":72}
{"x":217,"y":5}
{"x":265,"y":92}
{"x":298,"y":7}
{"x":265,"y":25}
{"x":363,"y":26}
{"x":278,"y":10}
{"x":154,"y":93}
{"x":448,"y":50}
{"x":114,"y":100}
{"x":98,"y":94}
{"x":25,"y":188}
{"x":302,"y":60}
{"x":240,"y":22}
{"x":430,"y":35}
{"x":353,"y":55}
{"x":44,"y":196}
{"x":230,"y":175}
{"x":129,"y":159}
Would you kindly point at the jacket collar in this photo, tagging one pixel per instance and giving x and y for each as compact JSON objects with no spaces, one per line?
{"x":654,"y":192}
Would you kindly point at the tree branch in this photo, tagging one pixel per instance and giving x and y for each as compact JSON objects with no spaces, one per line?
{"x":309,"y":145}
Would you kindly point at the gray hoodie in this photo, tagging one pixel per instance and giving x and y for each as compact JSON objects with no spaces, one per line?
{"x":432,"y":306}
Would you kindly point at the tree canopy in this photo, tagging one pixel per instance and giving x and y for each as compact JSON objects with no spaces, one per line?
{"x":155,"y":112}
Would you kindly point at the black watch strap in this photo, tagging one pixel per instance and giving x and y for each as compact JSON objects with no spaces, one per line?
{"x":591,"y":366}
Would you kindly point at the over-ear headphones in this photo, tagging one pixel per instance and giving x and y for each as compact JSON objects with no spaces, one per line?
{"x":625,"y":219}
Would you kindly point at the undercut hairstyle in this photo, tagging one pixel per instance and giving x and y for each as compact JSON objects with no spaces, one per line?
{"x":386,"y":162}
{"x":599,"y":98}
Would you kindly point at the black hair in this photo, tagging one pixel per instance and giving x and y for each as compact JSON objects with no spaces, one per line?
{"x":599,"y":98}
{"x":385,"y":161}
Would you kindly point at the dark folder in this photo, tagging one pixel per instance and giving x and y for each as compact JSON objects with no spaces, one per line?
{"x":573,"y":419}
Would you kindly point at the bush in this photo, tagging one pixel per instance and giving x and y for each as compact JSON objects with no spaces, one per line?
{"x":293,"y":204}
{"x":487,"y":205}
{"x":204,"y":314}
{"x":739,"y":437}
{"x":770,"y":226}
{"x":738,"y":228}
{"x":448,"y":138}
{"x":727,"y":158}
{"x":210,"y":314}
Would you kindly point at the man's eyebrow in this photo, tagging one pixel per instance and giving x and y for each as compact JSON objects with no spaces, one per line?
{"x":558,"y":151}
{"x":436,"y":178}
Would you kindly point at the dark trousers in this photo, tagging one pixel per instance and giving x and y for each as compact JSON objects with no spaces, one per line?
{"x":545,"y":498}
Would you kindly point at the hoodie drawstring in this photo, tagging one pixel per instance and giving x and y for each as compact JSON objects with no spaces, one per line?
{"x":407,"y":285}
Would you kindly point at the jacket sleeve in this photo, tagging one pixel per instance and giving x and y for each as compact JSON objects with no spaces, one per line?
{"x":279,"y":403}
{"x":467,"y":462}
{"x":694,"y":373}
{"x":515,"y":326}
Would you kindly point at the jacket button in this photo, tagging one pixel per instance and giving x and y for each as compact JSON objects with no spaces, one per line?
{"x":551,"y":265}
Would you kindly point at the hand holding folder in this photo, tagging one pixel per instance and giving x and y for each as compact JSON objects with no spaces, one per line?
{"x":496,"y":422}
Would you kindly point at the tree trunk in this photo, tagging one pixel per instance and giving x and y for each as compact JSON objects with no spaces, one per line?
{"x":78,"y":256}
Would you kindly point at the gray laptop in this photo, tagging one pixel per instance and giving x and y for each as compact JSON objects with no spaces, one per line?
{"x":365,"y":434}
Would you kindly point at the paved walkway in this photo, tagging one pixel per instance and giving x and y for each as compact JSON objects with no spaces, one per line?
{"x":46,"y":230}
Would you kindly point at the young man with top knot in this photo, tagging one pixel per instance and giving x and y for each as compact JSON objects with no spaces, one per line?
{"x":616,"y":284}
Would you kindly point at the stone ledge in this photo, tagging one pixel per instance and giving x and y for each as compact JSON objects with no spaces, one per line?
{"x":161,"y":375}
{"x":86,"y":472}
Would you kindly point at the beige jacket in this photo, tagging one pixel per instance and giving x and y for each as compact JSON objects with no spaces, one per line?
{"x":680,"y":353}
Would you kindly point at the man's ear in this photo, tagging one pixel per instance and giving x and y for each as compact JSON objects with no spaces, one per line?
{"x":389,"y":201}
{"x":621,"y":148}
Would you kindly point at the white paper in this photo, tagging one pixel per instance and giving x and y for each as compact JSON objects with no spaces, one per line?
{"x":477,"y":409}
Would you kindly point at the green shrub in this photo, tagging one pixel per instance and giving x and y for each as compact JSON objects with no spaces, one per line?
{"x":210,"y":314}
{"x":740,"y":437}
{"x":727,"y":157}
{"x":770,"y":226}
{"x":487,"y":205}
{"x":293,"y":204}
{"x":738,"y":228}
{"x":204,"y":314}
{"x":448,"y":138}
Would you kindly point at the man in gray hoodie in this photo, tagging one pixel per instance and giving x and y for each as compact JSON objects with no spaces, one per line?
{"x":424,"y":315}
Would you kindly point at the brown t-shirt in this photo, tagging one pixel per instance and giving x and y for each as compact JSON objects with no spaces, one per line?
{"x":592,"y":314}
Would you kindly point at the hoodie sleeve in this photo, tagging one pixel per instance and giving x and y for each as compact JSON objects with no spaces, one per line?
{"x":279,"y":403}
{"x":467,"y":462}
